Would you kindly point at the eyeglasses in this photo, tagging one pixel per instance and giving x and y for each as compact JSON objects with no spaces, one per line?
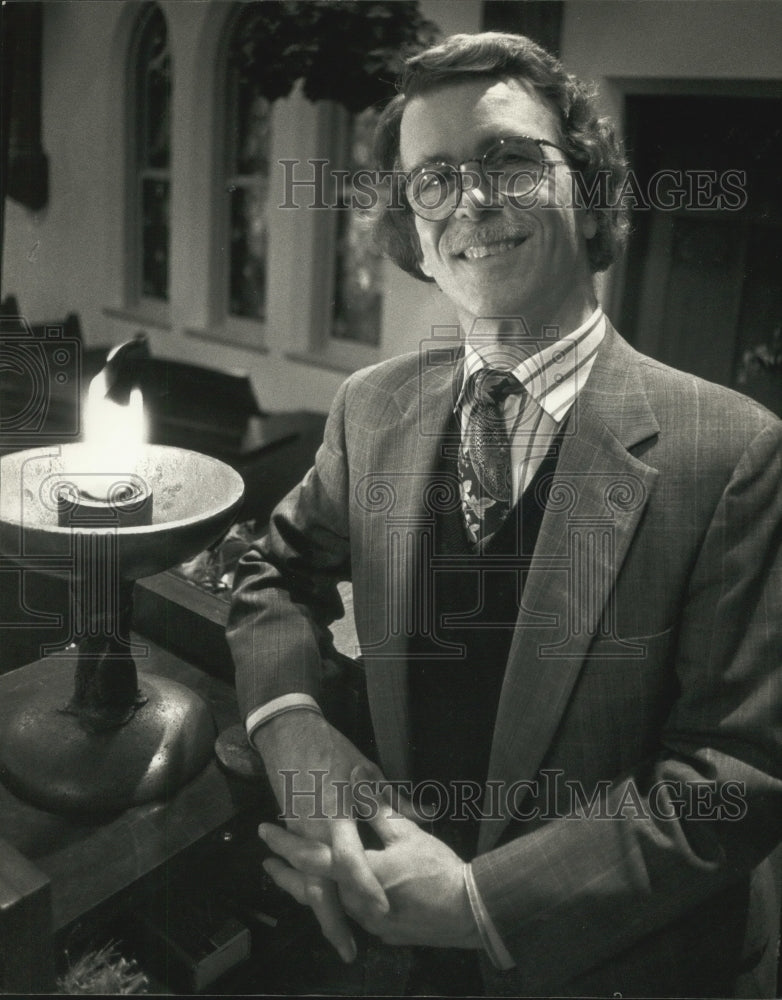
{"x":514,"y":167}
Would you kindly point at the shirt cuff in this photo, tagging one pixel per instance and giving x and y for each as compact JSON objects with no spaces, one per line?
{"x":275,"y":707}
{"x":490,"y":938}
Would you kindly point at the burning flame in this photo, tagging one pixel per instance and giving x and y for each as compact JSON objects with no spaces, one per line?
{"x":114,"y":436}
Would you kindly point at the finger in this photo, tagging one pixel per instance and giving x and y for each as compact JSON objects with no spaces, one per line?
{"x":288,"y":879}
{"x":309,"y":856}
{"x":390,"y":825}
{"x":351,"y":867}
{"x":322,"y":897}
{"x":390,"y":791}
{"x":384,"y":819}
{"x":393,"y":795}
{"x":356,"y":908}
{"x":401,"y":804}
{"x":385,"y":928}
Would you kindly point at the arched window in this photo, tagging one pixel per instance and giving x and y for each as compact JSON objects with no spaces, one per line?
{"x":149,"y":194}
{"x":247,"y":149}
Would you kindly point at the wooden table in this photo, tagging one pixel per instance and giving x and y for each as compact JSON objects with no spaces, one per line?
{"x":58,"y":875}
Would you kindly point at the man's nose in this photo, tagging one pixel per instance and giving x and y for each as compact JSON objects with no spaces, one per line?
{"x":477,"y":195}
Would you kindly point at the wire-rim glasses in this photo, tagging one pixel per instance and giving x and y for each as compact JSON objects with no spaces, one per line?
{"x":514,"y":167}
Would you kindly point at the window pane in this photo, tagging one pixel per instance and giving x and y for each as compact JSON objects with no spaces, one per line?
{"x":155,"y":93}
{"x":248,"y":251}
{"x":248,"y":146}
{"x":154,"y":238}
{"x":150,"y":207}
{"x":359,"y":287}
{"x":358,"y":298}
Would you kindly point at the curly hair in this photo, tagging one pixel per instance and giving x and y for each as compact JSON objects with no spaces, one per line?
{"x":589,"y":141}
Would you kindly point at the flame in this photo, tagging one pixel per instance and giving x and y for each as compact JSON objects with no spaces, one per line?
{"x":114,"y":436}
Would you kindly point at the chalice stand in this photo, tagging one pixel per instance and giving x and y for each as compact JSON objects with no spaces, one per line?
{"x":94,"y":735}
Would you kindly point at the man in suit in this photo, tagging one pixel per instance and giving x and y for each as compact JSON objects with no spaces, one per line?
{"x":566,"y":570}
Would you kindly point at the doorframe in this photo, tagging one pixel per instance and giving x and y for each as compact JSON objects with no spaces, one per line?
{"x":616,"y":90}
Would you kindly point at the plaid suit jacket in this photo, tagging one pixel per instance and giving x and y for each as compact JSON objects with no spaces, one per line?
{"x":639,"y":727}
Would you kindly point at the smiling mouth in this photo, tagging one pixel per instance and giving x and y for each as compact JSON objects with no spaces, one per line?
{"x":491,"y":249}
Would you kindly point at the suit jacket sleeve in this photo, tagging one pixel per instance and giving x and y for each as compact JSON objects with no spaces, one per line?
{"x":285,"y":591}
{"x":573,"y":893}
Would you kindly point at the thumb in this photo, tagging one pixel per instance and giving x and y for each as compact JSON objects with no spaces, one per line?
{"x":392,"y":793}
{"x":419,"y":813}
{"x":387,"y":823}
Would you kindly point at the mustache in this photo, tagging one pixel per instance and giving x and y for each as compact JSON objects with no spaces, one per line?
{"x":492,"y":231}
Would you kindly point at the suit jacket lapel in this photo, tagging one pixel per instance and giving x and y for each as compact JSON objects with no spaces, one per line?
{"x":596,"y":501}
{"x":405,"y":452}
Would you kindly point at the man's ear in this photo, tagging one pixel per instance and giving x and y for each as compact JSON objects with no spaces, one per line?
{"x":588,"y":224}
{"x":424,"y":268}
{"x":422,"y":265}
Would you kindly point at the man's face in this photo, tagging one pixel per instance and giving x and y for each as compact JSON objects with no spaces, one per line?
{"x":490,"y":257}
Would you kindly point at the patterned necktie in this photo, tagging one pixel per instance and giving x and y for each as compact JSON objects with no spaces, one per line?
{"x":484,"y":456}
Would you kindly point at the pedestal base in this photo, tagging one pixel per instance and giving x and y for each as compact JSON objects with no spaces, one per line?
{"x":237,"y":757}
{"x":47,"y":758}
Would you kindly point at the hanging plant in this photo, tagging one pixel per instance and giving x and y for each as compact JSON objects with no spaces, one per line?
{"x":349,"y":51}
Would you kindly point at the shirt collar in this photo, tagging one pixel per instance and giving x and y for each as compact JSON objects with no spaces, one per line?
{"x":555,"y":373}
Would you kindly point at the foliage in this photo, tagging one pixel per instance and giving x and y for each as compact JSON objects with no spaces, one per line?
{"x":762,"y":357}
{"x":348,"y":51}
{"x":104,"y":972}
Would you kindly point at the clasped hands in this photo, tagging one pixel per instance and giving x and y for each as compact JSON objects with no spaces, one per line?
{"x":411,"y":891}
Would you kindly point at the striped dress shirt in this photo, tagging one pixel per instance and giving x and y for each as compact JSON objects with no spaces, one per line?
{"x":552,"y":374}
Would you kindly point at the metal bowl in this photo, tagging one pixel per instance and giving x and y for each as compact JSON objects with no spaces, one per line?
{"x":195,"y":499}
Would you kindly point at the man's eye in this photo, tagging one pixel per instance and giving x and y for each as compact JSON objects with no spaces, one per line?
{"x":432,"y":188}
{"x":514,"y":160}
{"x":515,"y":154}
{"x":431,"y":180}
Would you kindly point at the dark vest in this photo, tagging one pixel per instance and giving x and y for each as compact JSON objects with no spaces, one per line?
{"x":454,"y":699}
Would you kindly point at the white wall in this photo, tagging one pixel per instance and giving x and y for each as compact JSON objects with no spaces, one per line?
{"x":694,"y":39}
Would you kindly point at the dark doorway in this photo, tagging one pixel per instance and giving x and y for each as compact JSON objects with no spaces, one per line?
{"x":702,"y":290}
